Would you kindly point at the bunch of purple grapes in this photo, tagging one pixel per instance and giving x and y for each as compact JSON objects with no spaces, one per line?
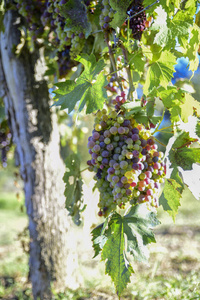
{"x":137,"y":23}
{"x":46,"y":16}
{"x":125,"y":159}
{"x":106,"y":15}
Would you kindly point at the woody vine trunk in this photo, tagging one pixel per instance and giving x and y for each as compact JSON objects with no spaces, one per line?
{"x":36,"y":136}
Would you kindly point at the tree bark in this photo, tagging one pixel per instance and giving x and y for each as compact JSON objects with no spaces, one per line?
{"x":36,"y":136}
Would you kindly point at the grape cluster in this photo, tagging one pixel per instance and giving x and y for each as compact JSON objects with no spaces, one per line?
{"x":106,"y":15}
{"x":47,"y":15}
{"x":32,"y":11}
{"x":137,"y":23}
{"x":125,"y":159}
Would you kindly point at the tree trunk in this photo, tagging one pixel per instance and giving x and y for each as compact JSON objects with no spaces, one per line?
{"x":36,"y":136}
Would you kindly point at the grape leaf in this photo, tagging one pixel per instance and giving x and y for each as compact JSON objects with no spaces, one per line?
{"x":117,"y":265}
{"x":160,"y":72}
{"x":120,"y":16}
{"x":182,"y":156}
{"x":185,"y":157}
{"x":198,"y":129}
{"x":137,"y":60}
{"x":97,"y":239}
{"x":193,"y":46}
{"x":73,"y":187}
{"x":170,"y":198}
{"x":75,"y":14}
{"x":188,"y":107}
{"x":138,"y":225}
{"x":88,"y":89}
{"x":169,"y":27}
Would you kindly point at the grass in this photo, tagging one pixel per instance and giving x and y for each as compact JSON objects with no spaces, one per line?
{"x":172,"y":273}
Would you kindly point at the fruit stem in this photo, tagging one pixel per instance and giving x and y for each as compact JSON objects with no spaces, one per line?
{"x":84,"y":170}
{"x":112,"y":60}
{"x":159,"y":130}
{"x":160,"y":142}
{"x":128,"y":70}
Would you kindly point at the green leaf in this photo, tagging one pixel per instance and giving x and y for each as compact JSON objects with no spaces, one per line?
{"x":138,"y":225}
{"x":136,"y":60}
{"x":160,"y":72}
{"x":117,"y":265}
{"x":168,"y":28}
{"x":95,"y":95}
{"x":182,"y":156}
{"x":120,"y":16}
{"x":76,"y":19}
{"x":136,"y":228}
{"x":193,"y":47}
{"x":170,"y":198}
{"x":186,"y":157}
{"x":198,"y":129}
{"x":97,"y":243}
{"x":73,"y":187}
{"x":188,"y":107}
{"x":88,"y":89}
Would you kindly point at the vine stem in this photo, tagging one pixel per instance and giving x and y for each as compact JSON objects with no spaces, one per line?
{"x":159,"y":130}
{"x":84,"y":170}
{"x":160,"y":142}
{"x":128,"y":70}
{"x":112,"y":59}
{"x":139,"y":12}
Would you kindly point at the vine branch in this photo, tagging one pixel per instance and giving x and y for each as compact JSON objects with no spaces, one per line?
{"x":128,"y":70}
{"x":112,"y":60}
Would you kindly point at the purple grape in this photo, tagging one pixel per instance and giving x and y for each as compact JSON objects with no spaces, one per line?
{"x":107,"y":19}
{"x":120,"y":184}
{"x":96,"y":135}
{"x":89,"y":163}
{"x":155,"y":159}
{"x":105,"y":162}
{"x":143,"y":143}
{"x":101,"y":138}
{"x":126,"y":123}
{"x":150,"y":142}
{"x":110,"y":147}
{"x":121,"y":130}
{"x":135,"y":166}
{"x":111,"y":170}
{"x":96,"y":148}
{"x":102,"y":144}
{"x":93,"y":161}
{"x":105,"y":153}
{"x":144,"y":151}
{"x":94,"y":155}
{"x":136,"y":153}
{"x":135,"y":159}
{"x":115,"y":179}
{"x":128,"y":192}
{"x":135,"y":137}
{"x":135,"y":130}
{"x":91,"y":144}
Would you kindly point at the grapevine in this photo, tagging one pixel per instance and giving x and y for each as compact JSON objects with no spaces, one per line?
{"x":108,"y":52}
